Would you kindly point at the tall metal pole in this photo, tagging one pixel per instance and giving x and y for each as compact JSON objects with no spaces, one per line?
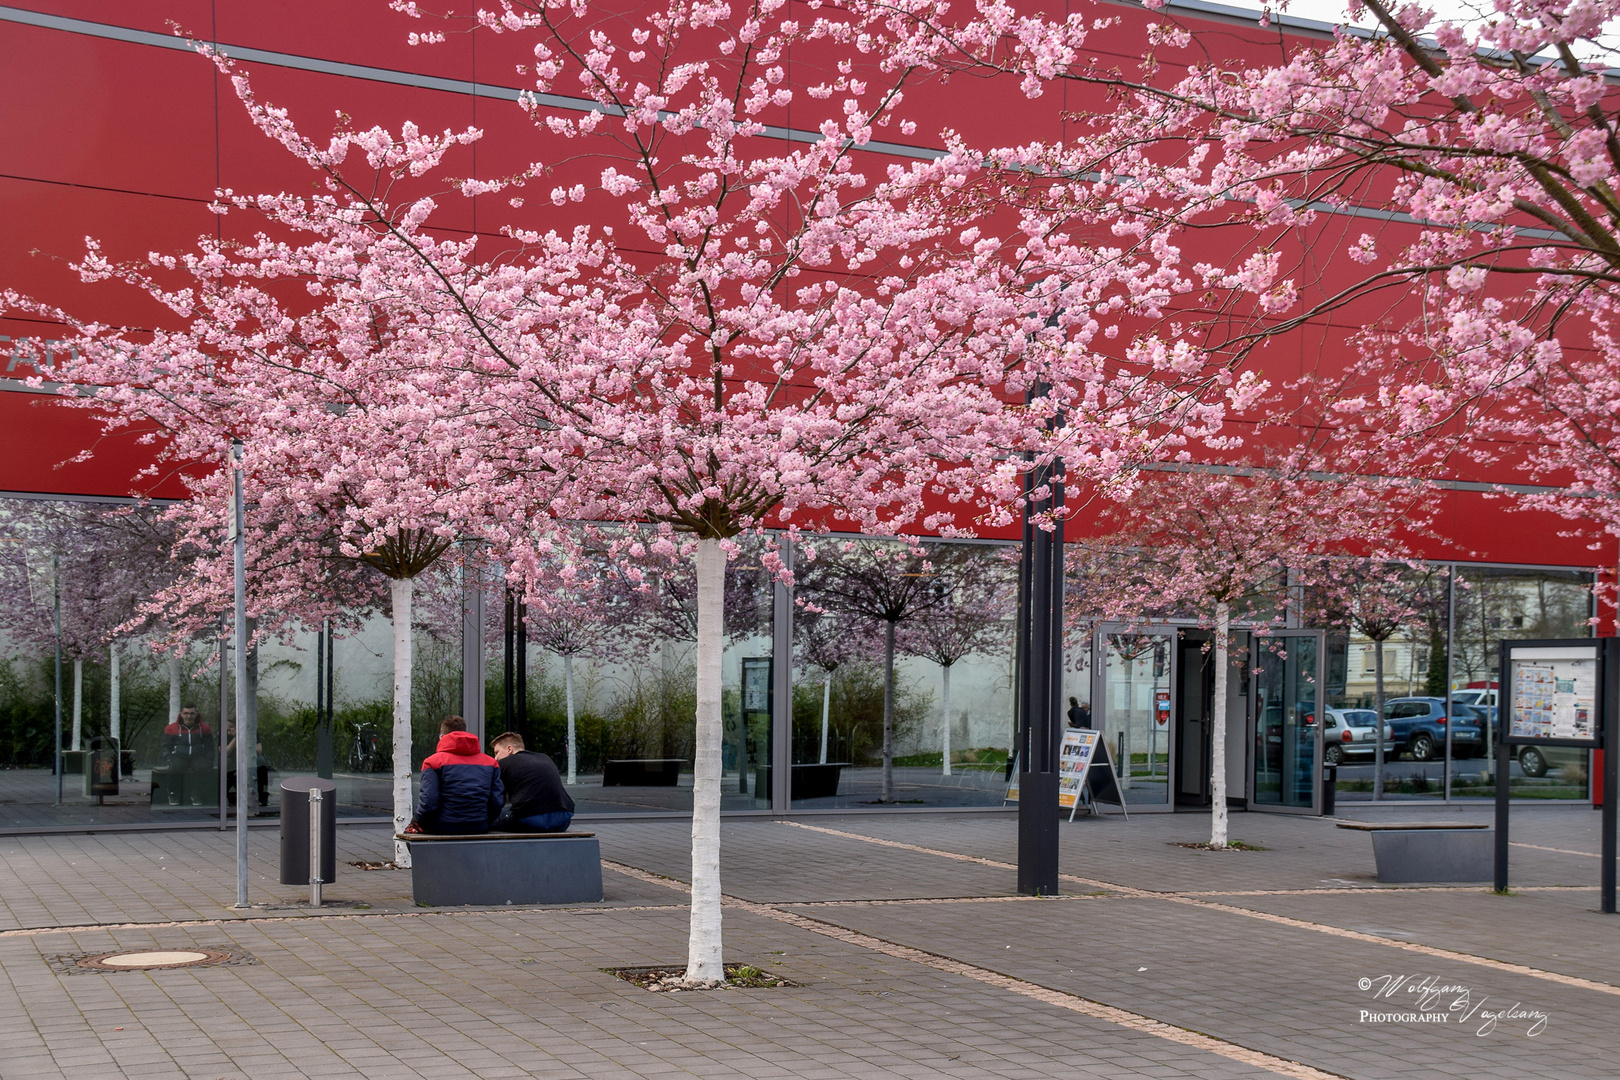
{"x":323,"y":701}
{"x":522,"y":649}
{"x":246,"y":774}
{"x":1451,"y":620}
{"x":508,"y":675}
{"x":224,"y":712}
{"x":1609,"y":712}
{"x":56,"y":625}
{"x":1040,"y":685}
{"x":472,"y":646}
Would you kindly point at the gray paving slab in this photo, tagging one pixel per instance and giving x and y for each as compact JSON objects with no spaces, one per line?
{"x":380,"y":988}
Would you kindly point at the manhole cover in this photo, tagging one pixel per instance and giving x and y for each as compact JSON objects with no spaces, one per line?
{"x":147,"y":961}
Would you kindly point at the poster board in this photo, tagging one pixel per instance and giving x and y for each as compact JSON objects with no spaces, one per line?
{"x":1553,"y":694}
{"x":1103,"y":781}
{"x":1083,"y":767}
{"x":1074,"y":759}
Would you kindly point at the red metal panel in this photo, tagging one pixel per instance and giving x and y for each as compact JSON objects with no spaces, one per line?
{"x":39,"y":437}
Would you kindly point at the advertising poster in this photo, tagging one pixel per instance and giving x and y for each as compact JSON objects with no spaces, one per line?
{"x":1554,"y":694}
{"x":1079,"y":745}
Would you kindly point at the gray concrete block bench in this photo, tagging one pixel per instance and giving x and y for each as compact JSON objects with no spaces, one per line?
{"x":1408,"y":852}
{"x":505,"y":868}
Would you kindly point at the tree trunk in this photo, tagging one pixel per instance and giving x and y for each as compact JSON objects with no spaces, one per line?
{"x":399,"y":594}
{"x":945,"y":715}
{"x":704,"y":965}
{"x":174,"y":689}
{"x":78,"y":702}
{"x":826,"y":710}
{"x":115,"y":722}
{"x":888,"y":713}
{"x":568,"y":697}
{"x":1378,"y":724}
{"x":1217,"y":731}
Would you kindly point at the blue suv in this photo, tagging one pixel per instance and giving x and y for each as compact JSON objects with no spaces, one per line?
{"x":1419,"y":726}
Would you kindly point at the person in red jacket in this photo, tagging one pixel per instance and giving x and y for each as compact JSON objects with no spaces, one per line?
{"x":461,"y":785}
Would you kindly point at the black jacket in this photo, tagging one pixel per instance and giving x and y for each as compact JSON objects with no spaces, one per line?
{"x":533,"y":785}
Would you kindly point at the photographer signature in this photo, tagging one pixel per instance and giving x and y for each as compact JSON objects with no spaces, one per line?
{"x":1428,"y":998}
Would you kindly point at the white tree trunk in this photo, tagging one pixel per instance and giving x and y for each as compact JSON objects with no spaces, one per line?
{"x":826,"y":709}
{"x":78,"y":701}
{"x":704,"y":964}
{"x":1217,"y":733}
{"x":399,"y":594}
{"x":115,"y":722}
{"x":174,"y":689}
{"x":945,"y":714}
{"x":568,"y":697}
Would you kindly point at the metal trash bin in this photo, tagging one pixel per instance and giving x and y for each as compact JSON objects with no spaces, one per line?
{"x":1330,"y":789}
{"x":101,"y":767}
{"x":297,"y":833}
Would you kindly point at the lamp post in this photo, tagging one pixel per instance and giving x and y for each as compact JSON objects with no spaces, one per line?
{"x":56,"y":629}
{"x":245,"y":735}
{"x":1040,"y":672}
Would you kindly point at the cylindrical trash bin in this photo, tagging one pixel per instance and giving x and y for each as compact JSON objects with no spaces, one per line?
{"x":295,"y":832}
{"x":1330,"y":789}
{"x":101,"y":768}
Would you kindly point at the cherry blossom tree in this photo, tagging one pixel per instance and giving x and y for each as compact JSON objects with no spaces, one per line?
{"x":752,"y":331}
{"x":108,"y":561}
{"x":827,"y":642}
{"x":1238,"y":543}
{"x":887,"y":584}
{"x":1428,"y":195}
{"x":973,"y":616}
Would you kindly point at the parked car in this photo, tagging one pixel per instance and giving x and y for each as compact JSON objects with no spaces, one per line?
{"x":1348,"y":733}
{"x":1420,"y":723}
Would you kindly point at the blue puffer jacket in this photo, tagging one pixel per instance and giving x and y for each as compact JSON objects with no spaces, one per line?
{"x":461,"y":787}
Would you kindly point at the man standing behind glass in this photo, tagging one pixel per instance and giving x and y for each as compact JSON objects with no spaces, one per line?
{"x":537,"y":800}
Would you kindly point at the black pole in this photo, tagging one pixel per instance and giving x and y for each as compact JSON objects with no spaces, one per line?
{"x":1610,"y":706}
{"x":1504,"y":696}
{"x":56,"y":625}
{"x":508,"y":675}
{"x":522,"y":650}
{"x":323,"y":703}
{"x":1039,"y":687}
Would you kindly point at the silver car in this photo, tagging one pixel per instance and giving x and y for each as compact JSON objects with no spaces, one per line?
{"x":1348,"y":733}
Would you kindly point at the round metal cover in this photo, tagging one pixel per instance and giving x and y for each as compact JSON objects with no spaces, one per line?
{"x":154,"y":959}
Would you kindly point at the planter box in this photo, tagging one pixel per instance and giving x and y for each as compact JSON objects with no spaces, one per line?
{"x":815,"y":781}
{"x":1407,"y":854}
{"x":505,"y":868}
{"x":642,"y":772}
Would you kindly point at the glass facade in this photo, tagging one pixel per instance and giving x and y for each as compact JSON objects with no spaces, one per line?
{"x":930,"y":631}
{"x":1424,"y":648}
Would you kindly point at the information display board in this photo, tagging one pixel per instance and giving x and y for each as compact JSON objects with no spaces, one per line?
{"x":1553,"y":695}
{"x":1073,"y":760}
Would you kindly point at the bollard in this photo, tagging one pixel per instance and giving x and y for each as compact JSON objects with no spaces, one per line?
{"x":315,"y":880}
{"x":1330,"y":789}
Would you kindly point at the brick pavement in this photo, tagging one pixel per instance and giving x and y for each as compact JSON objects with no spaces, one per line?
{"x":1143,"y":978}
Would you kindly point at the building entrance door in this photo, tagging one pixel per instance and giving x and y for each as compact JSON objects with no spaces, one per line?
{"x":1133,"y":686}
{"x":1285,"y":769}
{"x":1195,"y":686}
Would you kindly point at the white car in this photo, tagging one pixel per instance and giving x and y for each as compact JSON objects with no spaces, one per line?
{"x":1348,"y":733}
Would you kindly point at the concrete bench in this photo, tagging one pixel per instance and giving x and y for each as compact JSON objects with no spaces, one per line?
{"x":505,"y":868}
{"x":642,"y":772}
{"x":1408,"y":852}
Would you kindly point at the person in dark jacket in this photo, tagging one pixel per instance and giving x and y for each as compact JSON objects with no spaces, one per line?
{"x":188,"y":751}
{"x":461,"y":785}
{"x":1079,"y":714}
{"x":536,"y":798}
